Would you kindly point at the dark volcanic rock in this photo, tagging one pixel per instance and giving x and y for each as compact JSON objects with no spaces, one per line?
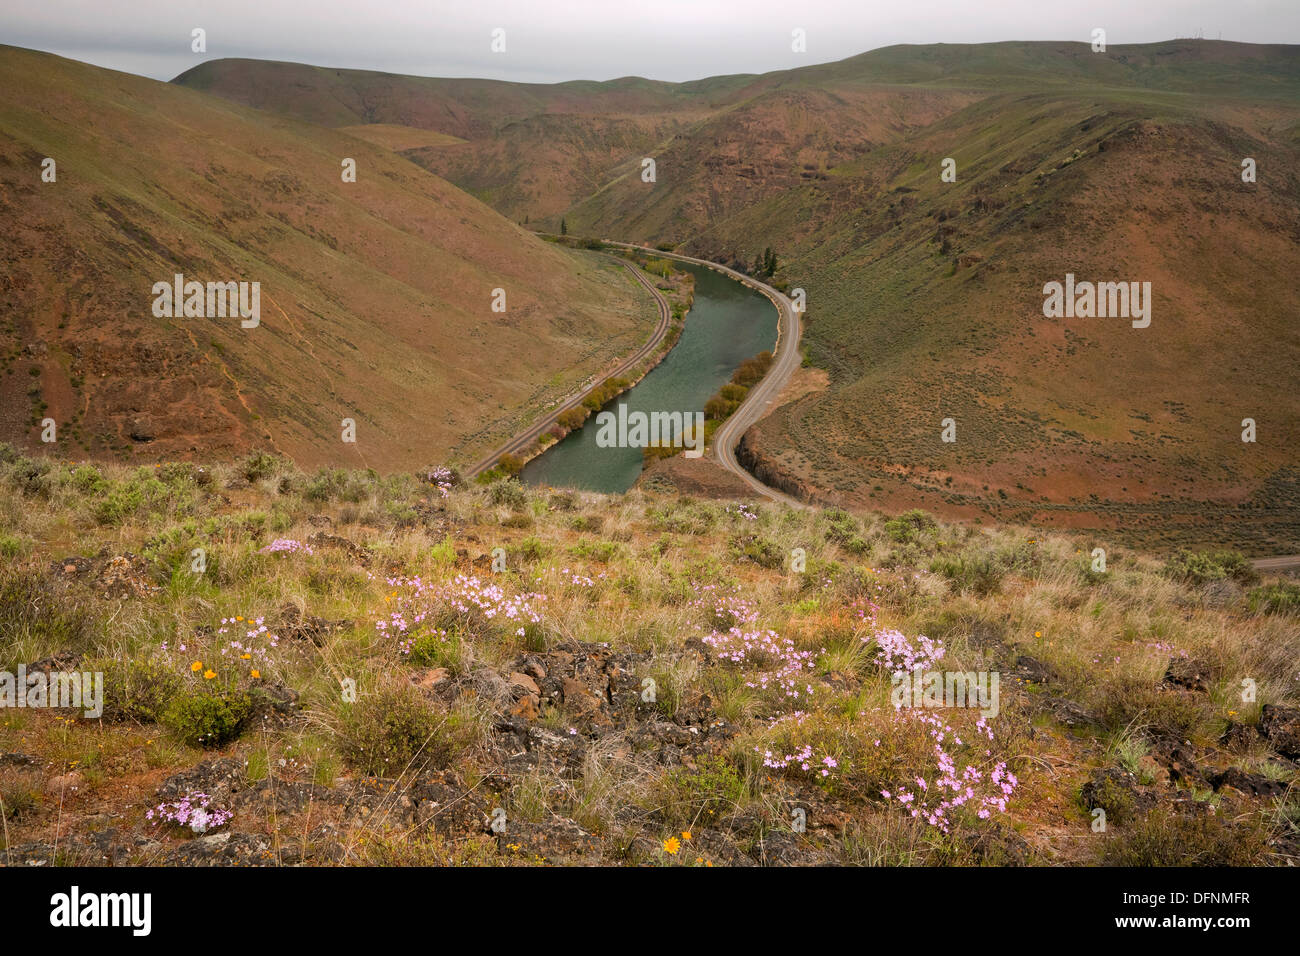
{"x":1281,"y":727}
{"x":1189,"y":674}
{"x":1251,"y":784}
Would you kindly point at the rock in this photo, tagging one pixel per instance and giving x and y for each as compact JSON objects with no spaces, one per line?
{"x":1070,"y":714}
{"x":125,"y":576}
{"x":1181,"y":763}
{"x":322,"y":540}
{"x":578,"y":700}
{"x":1115,"y":790}
{"x":1189,"y":674}
{"x":1028,"y":669}
{"x":218,"y":778}
{"x":1250,"y":784}
{"x":1239,"y":737}
{"x":1153,"y":769}
{"x":429,"y":679}
{"x":524,"y":683}
{"x":284,"y":796}
{"x":273,"y":703}
{"x":62,"y":661}
{"x":223,"y":849}
{"x":534,"y":669}
{"x":1281,"y":727}
{"x":528,"y":707}
{"x":64,"y":783}
{"x":74,"y":566}
{"x":552,"y":840}
{"x":307,"y":627}
{"x":142,"y":430}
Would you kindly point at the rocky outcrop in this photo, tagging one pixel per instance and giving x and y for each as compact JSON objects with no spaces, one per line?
{"x":768,"y":472}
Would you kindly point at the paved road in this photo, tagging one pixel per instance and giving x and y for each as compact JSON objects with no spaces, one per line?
{"x":785,"y":361}
{"x":526,"y":438}
{"x":1285,"y":563}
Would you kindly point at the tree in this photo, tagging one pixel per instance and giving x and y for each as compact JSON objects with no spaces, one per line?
{"x":564,"y":228}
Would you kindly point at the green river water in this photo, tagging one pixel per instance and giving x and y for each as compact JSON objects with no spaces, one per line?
{"x":728,"y":323}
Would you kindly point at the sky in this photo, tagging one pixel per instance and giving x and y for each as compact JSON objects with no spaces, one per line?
{"x":555,"y":40}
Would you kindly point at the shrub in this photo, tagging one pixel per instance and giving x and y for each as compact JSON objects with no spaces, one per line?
{"x":48,"y":615}
{"x":394,"y":730}
{"x":137,"y":690}
{"x":1197,"y":838}
{"x":336,"y":484}
{"x":703,"y":794}
{"x":601,"y":551}
{"x":1201,"y":567}
{"x":762,"y":551}
{"x":572,"y":418}
{"x":508,"y":492}
{"x":1280,"y":597}
{"x":209,"y":718}
{"x":1133,"y":701}
{"x":437,"y":648}
{"x":752,"y":370}
{"x":844,"y":530}
{"x":1106,"y":792}
{"x":910,"y":526}
{"x":17,"y":798}
{"x":259,"y":465}
{"x":969,"y":571}
{"x":588,"y":523}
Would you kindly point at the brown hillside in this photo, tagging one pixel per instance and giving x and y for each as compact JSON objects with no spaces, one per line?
{"x":375,"y":295}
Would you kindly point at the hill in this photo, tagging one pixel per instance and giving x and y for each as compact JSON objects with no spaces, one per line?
{"x":926,"y":296}
{"x":375,"y":295}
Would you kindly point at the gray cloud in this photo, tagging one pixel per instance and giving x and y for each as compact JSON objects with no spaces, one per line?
{"x":558,"y":40}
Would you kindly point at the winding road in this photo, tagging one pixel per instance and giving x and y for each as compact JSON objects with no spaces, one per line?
{"x":785,"y":360}
{"x":525,"y":438}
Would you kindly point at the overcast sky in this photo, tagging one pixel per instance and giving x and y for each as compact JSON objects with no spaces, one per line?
{"x":553,"y":40}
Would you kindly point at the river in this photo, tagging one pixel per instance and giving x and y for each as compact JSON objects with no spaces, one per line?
{"x":728,"y":323}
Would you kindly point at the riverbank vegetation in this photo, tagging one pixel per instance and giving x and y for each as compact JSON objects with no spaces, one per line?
{"x":678,"y":286}
{"x":718,"y":408}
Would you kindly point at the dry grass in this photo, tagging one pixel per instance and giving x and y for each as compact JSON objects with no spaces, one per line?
{"x":1101,"y":643}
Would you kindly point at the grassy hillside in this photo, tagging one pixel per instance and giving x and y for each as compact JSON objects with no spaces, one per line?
{"x":375,"y":295}
{"x":646,"y":680}
{"x":927,"y":303}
